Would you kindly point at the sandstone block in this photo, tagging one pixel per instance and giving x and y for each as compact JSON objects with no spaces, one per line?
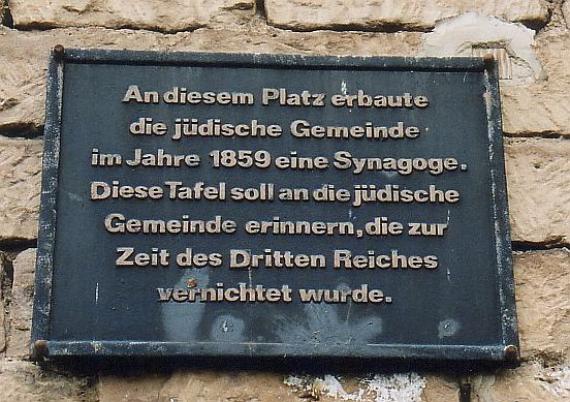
{"x":307,"y":15}
{"x":20,"y":177}
{"x":536,"y":109}
{"x":23,"y":382}
{"x":3,"y":263}
{"x":21,"y":304}
{"x":440,"y":388}
{"x":530,"y":382}
{"x":538,"y":179}
{"x":23,"y":63}
{"x":203,"y":386}
{"x":3,"y":11}
{"x":566,"y":13}
{"x":265,"y":39}
{"x":542,"y":280}
{"x":541,"y":107}
{"x":139,"y":388}
{"x":159,"y":15}
{"x":553,"y":51}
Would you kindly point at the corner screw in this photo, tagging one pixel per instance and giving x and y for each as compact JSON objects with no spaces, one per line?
{"x":58,"y":51}
{"x":40,"y":350}
{"x":511,"y":353}
{"x":489,"y":59}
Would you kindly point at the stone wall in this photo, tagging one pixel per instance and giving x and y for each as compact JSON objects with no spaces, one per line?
{"x":536,"y":115}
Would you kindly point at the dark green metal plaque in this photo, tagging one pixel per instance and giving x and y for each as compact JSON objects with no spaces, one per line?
{"x":273,"y":206}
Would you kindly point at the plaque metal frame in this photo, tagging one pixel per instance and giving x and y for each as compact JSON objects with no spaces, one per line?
{"x":504,"y":353}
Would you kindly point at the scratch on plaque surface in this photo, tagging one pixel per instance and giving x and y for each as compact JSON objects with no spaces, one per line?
{"x":249,"y":276}
{"x":343,"y":87}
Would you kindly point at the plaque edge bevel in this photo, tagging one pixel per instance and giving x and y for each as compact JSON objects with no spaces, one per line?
{"x":48,"y":205}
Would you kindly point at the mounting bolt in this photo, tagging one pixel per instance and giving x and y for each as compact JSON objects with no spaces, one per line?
{"x":58,"y":51}
{"x":40,"y":350}
{"x":489,"y":60}
{"x":191,"y":283}
{"x":511,"y":353}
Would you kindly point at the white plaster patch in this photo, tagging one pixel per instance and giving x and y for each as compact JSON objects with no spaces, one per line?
{"x":331,"y":386}
{"x":557,"y":382}
{"x":457,"y":37}
{"x":294,"y":381}
{"x":379,"y":388}
{"x":397,"y":387}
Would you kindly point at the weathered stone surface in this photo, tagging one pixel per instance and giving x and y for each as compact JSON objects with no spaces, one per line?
{"x":161,"y":15}
{"x":389,"y":14}
{"x":538,"y":179}
{"x":23,"y":382}
{"x":440,"y":388}
{"x":24,"y":55}
{"x":553,"y":50}
{"x":24,"y":59}
{"x":542,"y":107}
{"x":185,"y":386}
{"x":21,"y":304}
{"x":542,"y":292}
{"x":20,"y":176}
{"x":566,"y":12}
{"x":139,"y":388}
{"x":530,"y":382}
{"x":206,"y":386}
{"x":367,"y":388}
{"x":3,"y":262}
{"x":203,"y":386}
{"x":3,"y":10}
{"x":267,"y":40}
{"x":535,"y":110}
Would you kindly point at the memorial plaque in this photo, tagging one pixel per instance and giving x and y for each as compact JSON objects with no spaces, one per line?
{"x":273,"y":206}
